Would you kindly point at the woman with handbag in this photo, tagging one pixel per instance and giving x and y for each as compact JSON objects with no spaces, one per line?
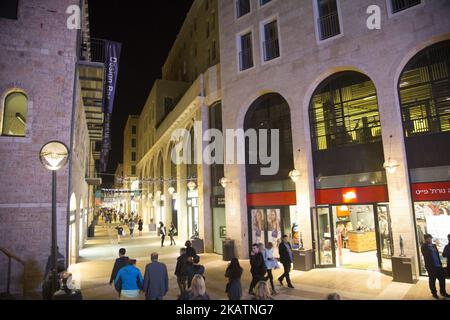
{"x":271,"y":263}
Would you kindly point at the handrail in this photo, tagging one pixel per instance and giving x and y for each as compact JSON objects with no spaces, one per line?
{"x":12,"y":256}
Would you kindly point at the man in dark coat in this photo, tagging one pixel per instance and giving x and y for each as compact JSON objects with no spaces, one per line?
{"x":121,"y":262}
{"x":180,"y":270}
{"x":433,"y":265}
{"x":190,"y":251}
{"x":257,"y":267}
{"x":286,"y":258}
{"x":156,"y":279}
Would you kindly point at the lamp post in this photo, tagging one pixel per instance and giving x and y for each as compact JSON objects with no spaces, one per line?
{"x":54,"y":156}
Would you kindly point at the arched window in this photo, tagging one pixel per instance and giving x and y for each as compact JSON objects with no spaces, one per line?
{"x":424,"y":89}
{"x":15,"y":114}
{"x":160,"y":173}
{"x":344,"y":111}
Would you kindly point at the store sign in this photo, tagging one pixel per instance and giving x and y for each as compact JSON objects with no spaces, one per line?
{"x":433,"y":191}
{"x":218,"y":202}
{"x":272,"y":199}
{"x":372,"y":194}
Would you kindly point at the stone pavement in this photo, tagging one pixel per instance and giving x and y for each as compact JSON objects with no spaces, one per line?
{"x":93,"y":270}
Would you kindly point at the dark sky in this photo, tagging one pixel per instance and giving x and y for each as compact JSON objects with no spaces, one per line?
{"x":147,"y":32}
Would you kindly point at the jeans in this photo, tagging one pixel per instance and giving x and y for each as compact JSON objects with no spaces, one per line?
{"x":287,"y":269}
{"x":172,"y":241}
{"x":255,"y":279}
{"x":437,"y":273}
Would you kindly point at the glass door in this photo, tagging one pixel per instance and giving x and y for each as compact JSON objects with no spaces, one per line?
{"x":384,"y":238}
{"x":323,"y":237}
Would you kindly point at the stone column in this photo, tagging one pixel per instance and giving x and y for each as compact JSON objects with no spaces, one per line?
{"x":182,"y":203}
{"x":167,"y":195}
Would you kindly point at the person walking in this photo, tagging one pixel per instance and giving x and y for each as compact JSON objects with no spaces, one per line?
{"x":140,"y":225}
{"x":131,"y":226}
{"x":262,"y":291}
{"x":156,"y":279}
{"x":190,"y":251}
{"x":197,"y":291}
{"x":162,"y":233}
{"x":120,"y":233}
{"x":67,"y":292}
{"x":286,"y":258}
{"x":234,"y":273}
{"x":270,"y":262}
{"x":446,"y":254}
{"x":257,"y":269}
{"x":180,"y":271}
{"x":172,"y":231}
{"x":433,"y":265}
{"x":194,"y":268}
{"x":130,"y":282}
{"x":120,"y":262}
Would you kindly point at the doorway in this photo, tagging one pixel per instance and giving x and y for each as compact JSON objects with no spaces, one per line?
{"x":352,"y":236}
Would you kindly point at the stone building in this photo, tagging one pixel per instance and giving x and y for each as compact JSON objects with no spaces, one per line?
{"x":130,"y":150}
{"x":46,"y":86}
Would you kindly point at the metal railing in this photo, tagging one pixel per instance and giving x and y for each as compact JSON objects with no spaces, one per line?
{"x":245,"y":59}
{"x":399,"y":5}
{"x":92,"y":50}
{"x":329,"y":25}
{"x":271,"y":49}
{"x":11,"y":257}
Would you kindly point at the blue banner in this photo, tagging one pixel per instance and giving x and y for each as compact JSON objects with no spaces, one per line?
{"x":112,"y":57}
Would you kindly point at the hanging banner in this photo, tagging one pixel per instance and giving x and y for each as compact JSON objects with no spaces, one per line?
{"x":112,"y":56}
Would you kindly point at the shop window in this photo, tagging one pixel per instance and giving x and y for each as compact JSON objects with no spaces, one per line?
{"x":424,"y":90}
{"x":133,"y":170}
{"x":344,"y":111}
{"x":8,"y":9}
{"x":271,"y":45}
{"x":400,"y":5}
{"x":327,"y":18}
{"x":15,"y":112}
{"x":246,"y":52}
{"x":242,"y":7}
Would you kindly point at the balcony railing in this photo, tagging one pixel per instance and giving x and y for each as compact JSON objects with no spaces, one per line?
{"x":271,"y":49}
{"x":399,"y":5}
{"x":245,"y":59}
{"x":92,"y":50}
{"x":329,"y":26}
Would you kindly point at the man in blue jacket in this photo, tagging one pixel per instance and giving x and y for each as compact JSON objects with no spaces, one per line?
{"x":156,"y":279}
{"x":129,"y":280}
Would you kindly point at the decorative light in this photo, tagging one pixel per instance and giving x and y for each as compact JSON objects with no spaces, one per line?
{"x":171,"y":190}
{"x":191,"y":185}
{"x":54,"y":155}
{"x":350,"y":195}
{"x":224,"y":182}
{"x":390,"y":165}
{"x":294,"y":175}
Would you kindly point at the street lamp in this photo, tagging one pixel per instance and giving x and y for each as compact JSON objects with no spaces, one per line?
{"x":224,"y":182}
{"x":191,"y":185}
{"x":54,"y":156}
{"x":171,"y":190}
{"x":294,"y":175}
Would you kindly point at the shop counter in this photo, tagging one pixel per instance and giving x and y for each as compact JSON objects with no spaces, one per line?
{"x":359,"y":241}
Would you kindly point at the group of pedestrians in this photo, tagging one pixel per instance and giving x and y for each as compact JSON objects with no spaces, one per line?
{"x":162,"y":233}
{"x":131,"y":224}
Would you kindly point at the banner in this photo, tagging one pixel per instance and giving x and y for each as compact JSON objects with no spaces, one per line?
{"x":112,"y":57}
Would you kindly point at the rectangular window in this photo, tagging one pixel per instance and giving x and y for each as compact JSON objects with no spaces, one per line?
{"x":242,"y":7}
{"x":328,"y":19}
{"x":8,"y":9}
{"x":246,"y":52}
{"x":207,"y":29}
{"x":271,"y":44}
{"x":168,"y":105}
{"x":213,"y":52}
{"x":133,"y":143}
{"x":133,"y":130}
{"x":133,"y":156}
{"x":400,"y":5}
{"x":133,"y":170}
{"x":263,"y":2}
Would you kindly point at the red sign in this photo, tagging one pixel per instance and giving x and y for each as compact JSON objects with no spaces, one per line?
{"x":432,"y":191}
{"x":271,"y":199}
{"x":372,"y":194}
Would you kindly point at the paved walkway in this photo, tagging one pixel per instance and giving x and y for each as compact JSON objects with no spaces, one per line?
{"x":92,"y":273}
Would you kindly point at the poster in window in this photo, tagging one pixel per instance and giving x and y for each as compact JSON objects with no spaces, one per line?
{"x":274,"y":229}
{"x":258,"y":226}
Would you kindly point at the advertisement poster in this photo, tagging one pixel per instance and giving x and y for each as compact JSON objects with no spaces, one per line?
{"x":258,"y":223}
{"x":274,"y":229}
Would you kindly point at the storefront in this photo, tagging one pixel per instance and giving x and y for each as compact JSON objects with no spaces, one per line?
{"x":219,"y":222}
{"x":432,"y":215}
{"x":352,"y":228}
{"x":192,"y":210}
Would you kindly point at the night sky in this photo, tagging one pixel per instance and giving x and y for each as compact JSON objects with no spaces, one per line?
{"x":147,"y":32}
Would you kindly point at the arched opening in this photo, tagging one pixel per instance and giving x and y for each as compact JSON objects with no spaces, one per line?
{"x":270,"y":196}
{"x":191,"y":185}
{"x":159,"y":187}
{"x":424,"y":92}
{"x":15,"y":112}
{"x":72,"y":229}
{"x":172,"y":185}
{"x":351,"y":225}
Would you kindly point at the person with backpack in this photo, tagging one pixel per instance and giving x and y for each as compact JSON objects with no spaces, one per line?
{"x":162,"y":233}
{"x":258,"y":267}
{"x":172,"y":231}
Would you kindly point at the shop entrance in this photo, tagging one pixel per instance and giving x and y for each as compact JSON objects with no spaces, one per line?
{"x":353,"y":236}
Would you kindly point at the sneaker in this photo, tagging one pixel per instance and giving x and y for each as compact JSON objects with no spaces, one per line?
{"x":435,"y":296}
{"x":445,"y":295}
